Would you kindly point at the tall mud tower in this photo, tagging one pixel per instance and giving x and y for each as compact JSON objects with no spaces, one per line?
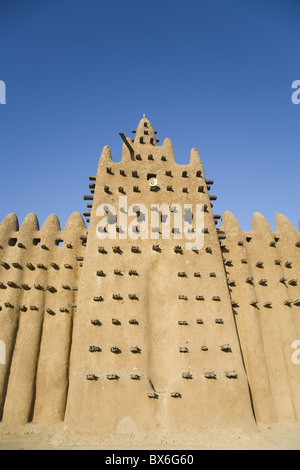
{"x":155,"y":345}
{"x":152,"y":319}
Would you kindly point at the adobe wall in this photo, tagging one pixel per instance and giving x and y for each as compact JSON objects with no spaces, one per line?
{"x":188,"y":373}
{"x":142,"y":333}
{"x":35,"y":319}
{"x":263,"y":273}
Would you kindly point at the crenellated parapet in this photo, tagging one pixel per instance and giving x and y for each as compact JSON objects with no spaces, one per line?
{"x":38,"y":273}
{"x":262,"y":269}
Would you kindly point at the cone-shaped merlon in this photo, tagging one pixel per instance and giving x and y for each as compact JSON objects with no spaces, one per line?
{"x":30,"y":224}
{"x":260,"y":224}
{"x":74,"y":223}
{"x":10,"y":223}
{"x":230,"y":223}
{"x":195,"y":159}
{"x":167,"y":149}
{"x":106,"y":157}
{"x":51,"y":224}
{"x":284,"y":226}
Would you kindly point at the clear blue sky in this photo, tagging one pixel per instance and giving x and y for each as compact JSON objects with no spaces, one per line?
{"x":210,"y":74}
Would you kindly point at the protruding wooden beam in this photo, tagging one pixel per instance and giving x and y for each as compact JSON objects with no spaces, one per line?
{"x":127,"y":145}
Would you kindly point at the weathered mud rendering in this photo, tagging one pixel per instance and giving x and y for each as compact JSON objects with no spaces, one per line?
{"x":140,"y":333}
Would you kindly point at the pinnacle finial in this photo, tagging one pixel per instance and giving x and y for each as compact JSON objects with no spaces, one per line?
{"x":144,"y":133}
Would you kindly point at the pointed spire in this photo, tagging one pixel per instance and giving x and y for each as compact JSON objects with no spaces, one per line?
{"x":105,"y":157}
{"x":145,"y":133}
{"x":195,"y":158}
{"x":105,"y":160}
